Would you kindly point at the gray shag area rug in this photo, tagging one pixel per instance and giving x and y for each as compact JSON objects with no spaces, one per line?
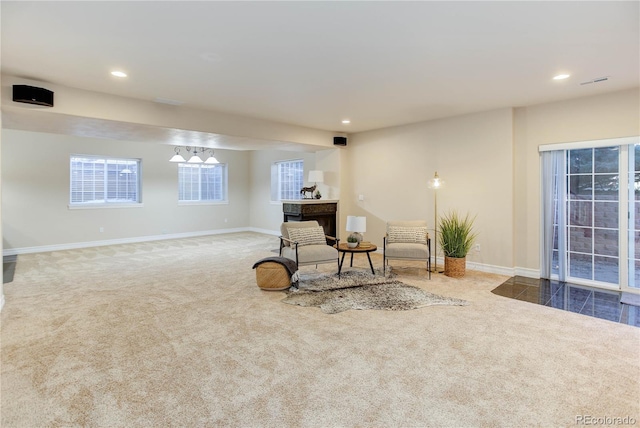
{"x":361,"y":290}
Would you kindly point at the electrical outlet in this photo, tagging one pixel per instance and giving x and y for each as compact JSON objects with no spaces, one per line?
{"x":478,"y":247}
{"x":101,"y":229}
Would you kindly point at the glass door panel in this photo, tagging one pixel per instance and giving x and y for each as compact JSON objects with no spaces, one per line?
{"x":592,"y":215}
{"x":634,"y":217}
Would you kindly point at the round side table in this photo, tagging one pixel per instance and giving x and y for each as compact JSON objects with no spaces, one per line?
{"x":344,"y":249}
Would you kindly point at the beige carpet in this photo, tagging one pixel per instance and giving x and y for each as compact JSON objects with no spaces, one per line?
{"x":176,"y":333}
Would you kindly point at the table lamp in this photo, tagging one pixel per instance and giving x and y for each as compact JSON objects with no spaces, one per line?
{"x":316,"y":176}
{"x":357,"y":225}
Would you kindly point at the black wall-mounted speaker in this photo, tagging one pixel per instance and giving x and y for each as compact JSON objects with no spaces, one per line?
{"x":32,"y":95}
{"x":339,"y":141}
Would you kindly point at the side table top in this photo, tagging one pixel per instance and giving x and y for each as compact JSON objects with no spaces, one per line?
{"x":359,"y":249}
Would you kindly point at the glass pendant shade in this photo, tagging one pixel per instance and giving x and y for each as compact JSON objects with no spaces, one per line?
{"x":436,"y":182}
{"x":195,"y":158}
{"x":211,"y":159}
{"x":177,"y":157}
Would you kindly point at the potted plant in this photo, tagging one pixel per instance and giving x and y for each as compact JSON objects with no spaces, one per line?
{"x":352,"y":241}
{"x":456,"y":239}
{"x":318,"y":194}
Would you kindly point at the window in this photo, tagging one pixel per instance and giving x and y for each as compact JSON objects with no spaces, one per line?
{"x":287,"y":178}
{"x":100,"y":180}
{"x":202,"y":183}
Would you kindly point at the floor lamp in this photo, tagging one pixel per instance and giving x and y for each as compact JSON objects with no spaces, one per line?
{"x":435,"y":183}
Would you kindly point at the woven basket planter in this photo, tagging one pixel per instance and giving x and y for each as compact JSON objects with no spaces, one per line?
{"x":273,"y":276}
{"x":455,"y":267}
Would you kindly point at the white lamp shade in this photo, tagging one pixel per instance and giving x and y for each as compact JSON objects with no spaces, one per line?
{"x":177,"y":157}
{"x":356,"y":224}
{"x":316,"y":176}
{"x":211,"y":160}
{"x":194,"y":159}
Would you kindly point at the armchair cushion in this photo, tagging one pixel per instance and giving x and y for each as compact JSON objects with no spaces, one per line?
{"x":408,"y":234}
{"x":288,"y":225}
{"x":307,"y":236}
{"x":312,"y":254}
{"x":407,"y":250}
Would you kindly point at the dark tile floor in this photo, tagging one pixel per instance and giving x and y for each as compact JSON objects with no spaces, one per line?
{"x":610,"y":305}
{"x":8,"y":268}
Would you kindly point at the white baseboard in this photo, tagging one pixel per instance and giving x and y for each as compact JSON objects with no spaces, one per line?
{"x":526,"y":272}
{"x":264,"y":231}
{"x":481,"y":267}
{"x":133,"y":240}
{"x":499,"y":270}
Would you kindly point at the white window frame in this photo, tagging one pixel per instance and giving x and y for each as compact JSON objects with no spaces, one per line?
{"x":223,"y":167}
{"x":133,"y":165}
{"x":289,"y":189}
{"x":625,"y":212}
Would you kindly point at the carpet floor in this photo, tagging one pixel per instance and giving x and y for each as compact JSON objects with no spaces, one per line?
{"x":177,"y":334}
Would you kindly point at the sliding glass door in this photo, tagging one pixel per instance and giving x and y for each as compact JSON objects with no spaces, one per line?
{"x":591,"y":214}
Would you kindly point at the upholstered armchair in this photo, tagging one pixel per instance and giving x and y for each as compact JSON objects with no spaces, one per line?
{"x":305,"y":243}
{"x":407,"y":240}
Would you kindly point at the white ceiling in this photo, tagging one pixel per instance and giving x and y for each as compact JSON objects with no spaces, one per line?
{"x":379,"y":64}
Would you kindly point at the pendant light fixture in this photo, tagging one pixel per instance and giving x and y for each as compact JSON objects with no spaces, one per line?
{"x":211,"y":159}
{"x":177,"y":157}
{"x":195,"y":158}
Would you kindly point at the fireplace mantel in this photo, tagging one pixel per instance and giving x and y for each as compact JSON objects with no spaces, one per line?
{"x":323,"y":211}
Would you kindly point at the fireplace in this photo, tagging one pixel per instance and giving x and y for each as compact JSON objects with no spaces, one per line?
{"x":324,"y":212}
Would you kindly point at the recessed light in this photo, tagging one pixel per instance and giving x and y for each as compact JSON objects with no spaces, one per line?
{"x":561,"y":76}
{"x":119,"y":73}
{"x":346,"y":121}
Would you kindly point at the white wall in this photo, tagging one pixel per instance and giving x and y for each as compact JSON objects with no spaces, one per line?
{"x":591,"y":118}
{"x":35,"y":202}
{"x":472,"y":154}
{"x":35,"y":197}
{"x":329,"y":161}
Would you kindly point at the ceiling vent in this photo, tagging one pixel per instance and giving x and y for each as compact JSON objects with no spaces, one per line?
{"x":596,"y":80}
